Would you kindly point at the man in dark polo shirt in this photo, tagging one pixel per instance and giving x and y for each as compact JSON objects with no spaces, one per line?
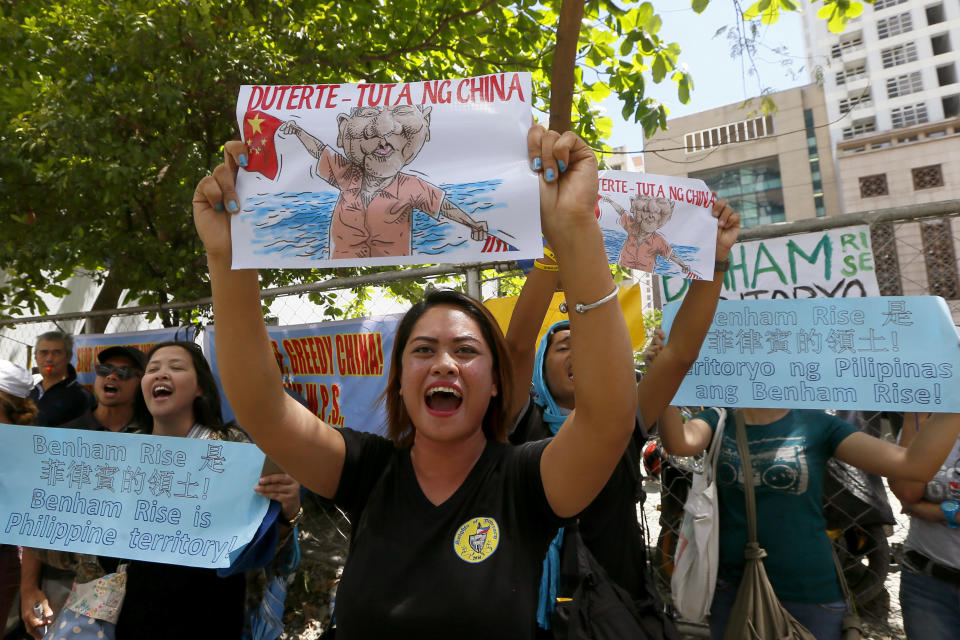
{"x":59,"y":396}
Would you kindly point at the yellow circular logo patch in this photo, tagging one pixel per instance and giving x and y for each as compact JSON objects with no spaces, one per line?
{"x":476,"y":539}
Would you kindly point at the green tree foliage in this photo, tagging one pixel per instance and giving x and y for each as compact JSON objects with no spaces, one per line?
{"x":112,"y":111}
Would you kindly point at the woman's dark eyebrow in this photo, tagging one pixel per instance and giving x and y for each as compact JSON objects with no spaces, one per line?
{"x":433,"y":340}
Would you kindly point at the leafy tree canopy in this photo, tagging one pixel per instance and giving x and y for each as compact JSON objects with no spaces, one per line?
{"x":112,"y":111}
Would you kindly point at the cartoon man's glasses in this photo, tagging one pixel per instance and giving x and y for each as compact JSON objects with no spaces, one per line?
{"x":124,"y":372}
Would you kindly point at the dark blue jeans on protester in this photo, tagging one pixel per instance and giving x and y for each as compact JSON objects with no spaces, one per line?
{"x":931,"y":607}
{"x":822,"y":619}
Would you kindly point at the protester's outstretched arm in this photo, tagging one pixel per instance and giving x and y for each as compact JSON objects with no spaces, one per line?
{"x":313,"y":145}
{"x":909,"y":491}
{"x":920,"y":461}
{"x":478,"y":228}
{"x":307,"y":448}
{"x":525,"y":323}
{"x":663,"y":378}
{"x":578,"y":461}
{"x":671,"y":418}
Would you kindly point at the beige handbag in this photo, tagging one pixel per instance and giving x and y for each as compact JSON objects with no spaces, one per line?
{"x":757,"y":613}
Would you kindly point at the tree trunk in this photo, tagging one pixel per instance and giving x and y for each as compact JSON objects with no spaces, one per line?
{"x":564,"y":63}
{"x":107,"y":298}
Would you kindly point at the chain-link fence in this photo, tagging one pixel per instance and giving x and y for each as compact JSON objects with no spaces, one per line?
{"x":915,"y":253}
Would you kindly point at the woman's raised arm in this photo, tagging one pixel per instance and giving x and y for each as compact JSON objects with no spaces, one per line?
{"x":579,"y":460}
{"x":307,"y":448}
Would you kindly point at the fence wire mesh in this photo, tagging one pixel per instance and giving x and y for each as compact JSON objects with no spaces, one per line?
{"x":914,"y":253}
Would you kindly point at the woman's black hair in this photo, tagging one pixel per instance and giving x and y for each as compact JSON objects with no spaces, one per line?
{"x":206,"y":406}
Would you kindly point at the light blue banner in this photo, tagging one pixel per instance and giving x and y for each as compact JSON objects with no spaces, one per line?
{"x":886,"y":353}
{"x":172,"y":500}
{"x":338,"y":368}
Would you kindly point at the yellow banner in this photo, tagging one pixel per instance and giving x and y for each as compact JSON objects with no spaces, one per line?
{"x":628,"y":297}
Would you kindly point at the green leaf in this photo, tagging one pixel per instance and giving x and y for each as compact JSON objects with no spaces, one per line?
{"x":659,"y":67}
{"x":699,"y":6}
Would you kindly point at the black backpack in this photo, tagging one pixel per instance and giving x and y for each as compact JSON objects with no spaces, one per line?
{"x":591,"y":605}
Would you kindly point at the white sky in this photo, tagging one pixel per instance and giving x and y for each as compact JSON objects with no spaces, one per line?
{"x":718,"y":78}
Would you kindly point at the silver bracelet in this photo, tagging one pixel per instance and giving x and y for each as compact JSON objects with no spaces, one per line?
{"x":583,"y":308}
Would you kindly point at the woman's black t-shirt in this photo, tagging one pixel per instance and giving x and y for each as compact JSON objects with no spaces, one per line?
{"x":467,"y":568}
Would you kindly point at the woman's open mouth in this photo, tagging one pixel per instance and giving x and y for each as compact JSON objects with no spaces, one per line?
{"x":443,"y":400}
{"x":161,"y":391}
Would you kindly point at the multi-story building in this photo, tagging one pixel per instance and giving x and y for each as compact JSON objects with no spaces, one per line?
{"x":771,"y":167}
{"x":623,"y":160}
{"x":890,"y":82}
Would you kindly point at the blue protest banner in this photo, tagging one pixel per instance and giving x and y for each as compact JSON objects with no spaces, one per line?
{"x":87,"y":346}
{"x":339,"y":368}
{"x":887,"y":353}
{"x":172,"y":500}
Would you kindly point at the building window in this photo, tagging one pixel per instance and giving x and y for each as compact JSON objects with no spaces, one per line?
{"x":883,"y":4}
{"x":851,"y":73}
{"x":873,"y":186}
{"x":951,"y":106}
{"x":935,"y":14}
{"x":859,"y":128}
{"x":940,"y":44}
{"x":851,"y":42}
{"x":813,"y":154}
{"x":908,"y":116}
{"x":894,"y":26}
{"x":905,"y":84}
{"x":752,"y":129}
{"x":940,"y":258}
{"x":901,"y":54}
{"x":947,"y":74}
{"x":885,"y":260}
{"x":753,"y":189}
{"x":863,"y":99}
{"x":927,"y":177}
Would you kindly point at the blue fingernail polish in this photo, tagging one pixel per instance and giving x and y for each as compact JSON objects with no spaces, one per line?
{"x":562,"y":165}
{"x":232,"y":205}
{"x":218,"y":206}
{"x":242,"y":159}
{"x":549,"y":175}
{"x":537,"y":164}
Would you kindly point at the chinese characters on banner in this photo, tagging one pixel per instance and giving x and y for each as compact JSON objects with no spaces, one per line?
{"x":887,"y":353}
{"x":174,"y":500}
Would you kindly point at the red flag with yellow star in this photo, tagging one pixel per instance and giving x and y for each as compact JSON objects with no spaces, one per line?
{"x":259,"y":129}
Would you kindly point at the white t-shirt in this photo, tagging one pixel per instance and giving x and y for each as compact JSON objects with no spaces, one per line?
{"x":936,"y":540}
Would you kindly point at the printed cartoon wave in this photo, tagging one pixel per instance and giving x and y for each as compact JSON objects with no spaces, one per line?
{"x":298,"y":224}
{"x":613,"y":242}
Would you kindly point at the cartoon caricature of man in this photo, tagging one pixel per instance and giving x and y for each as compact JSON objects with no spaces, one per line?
{"x":643,"y":243}
{"x":373,"y":217}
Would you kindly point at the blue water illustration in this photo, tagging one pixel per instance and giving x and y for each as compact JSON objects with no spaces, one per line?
{"x":298,"y":224}
{"x":613,"y":242}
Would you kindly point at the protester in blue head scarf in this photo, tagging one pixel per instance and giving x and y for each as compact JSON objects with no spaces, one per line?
{"x":553,"y":414}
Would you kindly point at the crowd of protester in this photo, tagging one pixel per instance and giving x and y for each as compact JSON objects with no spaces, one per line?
{"x":500,"y":454}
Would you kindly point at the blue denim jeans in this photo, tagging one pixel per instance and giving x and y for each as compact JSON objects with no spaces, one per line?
{"x":822,"y":619}
{"x":931,"y":607}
